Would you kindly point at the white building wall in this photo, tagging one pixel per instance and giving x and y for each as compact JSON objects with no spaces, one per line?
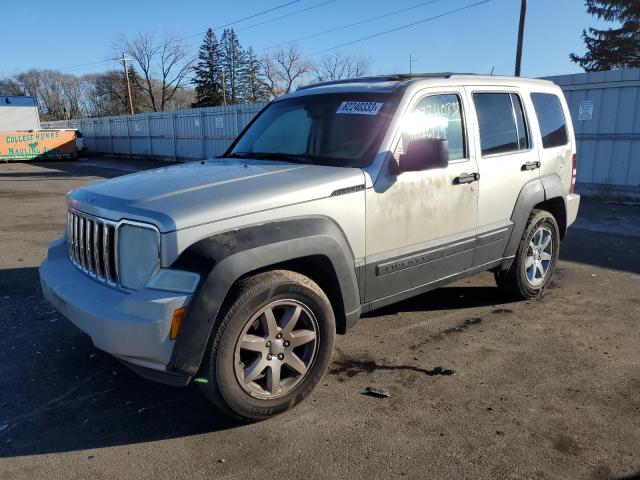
{"x":18,"y":113}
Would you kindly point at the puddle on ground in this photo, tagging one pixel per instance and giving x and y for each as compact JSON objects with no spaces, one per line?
{"x":352,"y":367}
{"x":469,"y":322}
{"x":502,"y":310}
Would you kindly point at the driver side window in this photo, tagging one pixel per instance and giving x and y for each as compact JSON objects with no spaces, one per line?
{"x":435,"y":116}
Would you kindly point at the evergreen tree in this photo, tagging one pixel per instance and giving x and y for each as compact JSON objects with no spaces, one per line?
{"x":252,"y":85}
{"x":208,"y":79}
{"x":613,"y":48}
{"x":232,"y":57}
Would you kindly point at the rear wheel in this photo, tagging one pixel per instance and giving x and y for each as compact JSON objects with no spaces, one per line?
{"x":532,"y":268}
{"x":272,"y":347}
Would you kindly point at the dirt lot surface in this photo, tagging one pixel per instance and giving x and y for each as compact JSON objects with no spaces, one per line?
{"x":544,"y":389}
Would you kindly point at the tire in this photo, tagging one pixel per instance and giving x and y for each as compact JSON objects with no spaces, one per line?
{"x":230,"y":364}
{"x":518,"y":281}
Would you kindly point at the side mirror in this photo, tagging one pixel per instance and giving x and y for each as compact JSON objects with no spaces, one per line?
{"x":422,"y":154}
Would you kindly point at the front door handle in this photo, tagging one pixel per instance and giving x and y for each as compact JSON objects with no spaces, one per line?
{"x":466,"y":178}
{"x":530,"y":166}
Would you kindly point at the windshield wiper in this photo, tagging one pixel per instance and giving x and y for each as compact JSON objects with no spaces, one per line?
{"x":239,"y":155}
{"x":287,"y":157}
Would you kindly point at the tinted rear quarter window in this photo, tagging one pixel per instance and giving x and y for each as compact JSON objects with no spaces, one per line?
{"x":521,"y":122}
{"x":553,"y":125}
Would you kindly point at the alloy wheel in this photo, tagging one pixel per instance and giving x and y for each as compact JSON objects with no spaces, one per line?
{"x":539,"y":256}
{"x":276,"y":349}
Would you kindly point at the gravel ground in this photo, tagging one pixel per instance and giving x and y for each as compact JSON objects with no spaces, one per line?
{"x":543,"y":389}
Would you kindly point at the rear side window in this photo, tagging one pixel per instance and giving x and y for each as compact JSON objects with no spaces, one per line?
{"x":553,"y":125}
{"x":502,"y":121}
{"x":521,"y":123}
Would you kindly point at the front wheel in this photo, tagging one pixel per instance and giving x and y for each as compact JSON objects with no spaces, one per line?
{"x":273,"y":345}
{"x":535,"y":261}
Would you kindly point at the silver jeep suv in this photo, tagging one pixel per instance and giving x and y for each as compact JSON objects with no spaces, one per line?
{"x":336,"y":200}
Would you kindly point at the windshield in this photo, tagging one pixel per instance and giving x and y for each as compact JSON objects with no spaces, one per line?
{"x":342,"y":130}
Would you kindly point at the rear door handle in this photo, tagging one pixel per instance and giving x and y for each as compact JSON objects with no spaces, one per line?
{"x":466,"y":178}
{"x":530,"y":166}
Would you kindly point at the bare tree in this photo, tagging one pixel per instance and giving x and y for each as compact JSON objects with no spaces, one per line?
{"x":29,"y":81}
{"x":336,"y":66}
{"x":106,"y":93}
{"x":9,"y":86}
{"x":183,"y":98}
{"x":272,"y":78}
{"x":72,"y":95}
{"x":284,"y":69}
{"x":164,"y":66}
{"x":103,"y":94}
{"x":48,"y":86}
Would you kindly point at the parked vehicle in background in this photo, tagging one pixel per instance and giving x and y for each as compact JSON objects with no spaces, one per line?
{"x":80,"y":142}
{"x":337,"y":199}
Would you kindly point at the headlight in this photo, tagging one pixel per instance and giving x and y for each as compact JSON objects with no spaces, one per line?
{"x":138,"y":255}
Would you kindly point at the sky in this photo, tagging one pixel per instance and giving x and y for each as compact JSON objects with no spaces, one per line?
{"x":77,"y":36}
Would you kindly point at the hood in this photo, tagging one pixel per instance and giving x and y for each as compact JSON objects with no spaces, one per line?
{"x":195,"y":193}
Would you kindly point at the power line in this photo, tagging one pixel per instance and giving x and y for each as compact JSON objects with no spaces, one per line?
{"x":233,"y":22}
{"x":286,"y":15}
{"x":402,"y":27}
{"x":245,"y":18}
{"x":360,"y":22}
{"x":358,"y":40}
{"x":295,"y":12}
{"x":73,"y":67}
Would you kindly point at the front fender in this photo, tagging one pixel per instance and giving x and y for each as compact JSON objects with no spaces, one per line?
{"x":223,"y":258}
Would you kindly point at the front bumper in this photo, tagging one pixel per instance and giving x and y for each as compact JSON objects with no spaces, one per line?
{"x":134,"y":327}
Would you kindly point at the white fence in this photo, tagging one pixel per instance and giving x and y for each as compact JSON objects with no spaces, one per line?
{"x":605,"y":109}
{"x":179,"y":134}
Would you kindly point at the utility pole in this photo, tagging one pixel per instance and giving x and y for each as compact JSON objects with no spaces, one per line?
{"x":253,"y":86}
{"x":523,"y":14}
{"x":224,"y":89}
{"x":411,"y":61}
{"x":126,"y":75}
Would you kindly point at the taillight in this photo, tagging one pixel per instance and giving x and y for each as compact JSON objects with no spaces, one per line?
{"x":574,"y":172}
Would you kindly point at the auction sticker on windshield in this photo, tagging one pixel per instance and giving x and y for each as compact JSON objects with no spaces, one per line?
{"x":360,"y":108}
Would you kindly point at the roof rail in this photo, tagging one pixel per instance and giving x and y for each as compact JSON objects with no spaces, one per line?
{"x":396,"y":77}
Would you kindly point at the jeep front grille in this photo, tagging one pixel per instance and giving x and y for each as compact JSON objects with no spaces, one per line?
{"x":92,"y":246}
